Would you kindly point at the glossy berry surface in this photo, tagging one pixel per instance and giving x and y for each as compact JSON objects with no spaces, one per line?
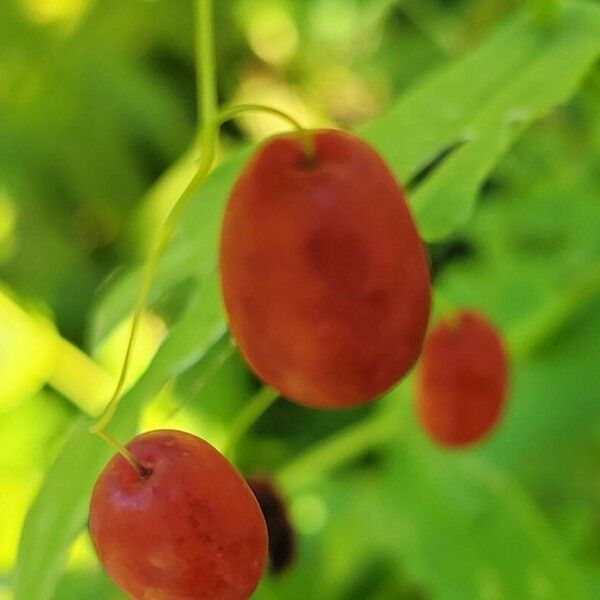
{"x":191,"y":530}
{"x":324,"y":277}
{"x":462,"y":380}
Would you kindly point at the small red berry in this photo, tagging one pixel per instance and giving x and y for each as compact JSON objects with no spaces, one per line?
{"x":324,"y":277}
{"x":190,"y":529}
{"x":462,"y":380}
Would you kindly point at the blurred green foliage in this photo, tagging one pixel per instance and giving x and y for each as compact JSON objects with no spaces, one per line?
{"x":97,"y":101}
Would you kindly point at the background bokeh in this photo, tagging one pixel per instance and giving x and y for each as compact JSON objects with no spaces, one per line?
{"x":97,"y":131}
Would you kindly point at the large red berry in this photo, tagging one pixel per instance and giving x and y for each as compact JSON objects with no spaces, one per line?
{"x":462,"y":379}
{"x":324,"y":276}
{"x":190,"y":530}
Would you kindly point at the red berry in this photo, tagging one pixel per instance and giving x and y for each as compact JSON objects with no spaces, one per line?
{"x":324,"y":276}
{"x":462,"y":380}
{"x":190,"y":530}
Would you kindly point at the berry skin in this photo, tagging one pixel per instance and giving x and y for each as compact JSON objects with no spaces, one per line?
{"x":462,"y":380}
{"x":191,"y":530}
{"x":324,"y":277}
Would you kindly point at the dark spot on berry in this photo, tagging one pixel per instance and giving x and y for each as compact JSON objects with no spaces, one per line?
{"x":145,"y":472}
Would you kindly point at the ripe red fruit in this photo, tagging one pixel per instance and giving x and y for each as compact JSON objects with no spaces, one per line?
{"x":191,"y":529}
{"x":324,"y":276}
{"x":462,"y":380}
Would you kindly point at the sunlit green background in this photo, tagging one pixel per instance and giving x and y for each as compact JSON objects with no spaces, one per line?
{"x":97,"y":125}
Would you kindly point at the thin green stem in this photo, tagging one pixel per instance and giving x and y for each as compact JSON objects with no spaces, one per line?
{"x":256,"y":407}
{"x":149,"y":272}
{"x":207,"y":102}
{"x":337,"y":450}
{"x":218,"y":361}
{"x":206,"y":66}
{"x":79,"y":379}
{"x":306,"y":138}
{"x":206,"y":82}
{"x":443,"y":307}
{"x":67,"y":369}
{"x":526,"y":337}
{"x":143,"y":472}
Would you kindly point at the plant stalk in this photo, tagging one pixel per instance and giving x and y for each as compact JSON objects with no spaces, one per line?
{"x":207,"y":108}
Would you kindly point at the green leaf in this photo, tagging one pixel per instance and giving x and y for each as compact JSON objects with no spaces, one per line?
{"x":59,"y":512}
{"x":466,"y":530}
{"x":478,"y":106}
{"x":475,"y":109}
{"x":536,"y":253}
{"x":84,"y":584}
{"x":552,"y":400}
{"x":192,"y":254}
